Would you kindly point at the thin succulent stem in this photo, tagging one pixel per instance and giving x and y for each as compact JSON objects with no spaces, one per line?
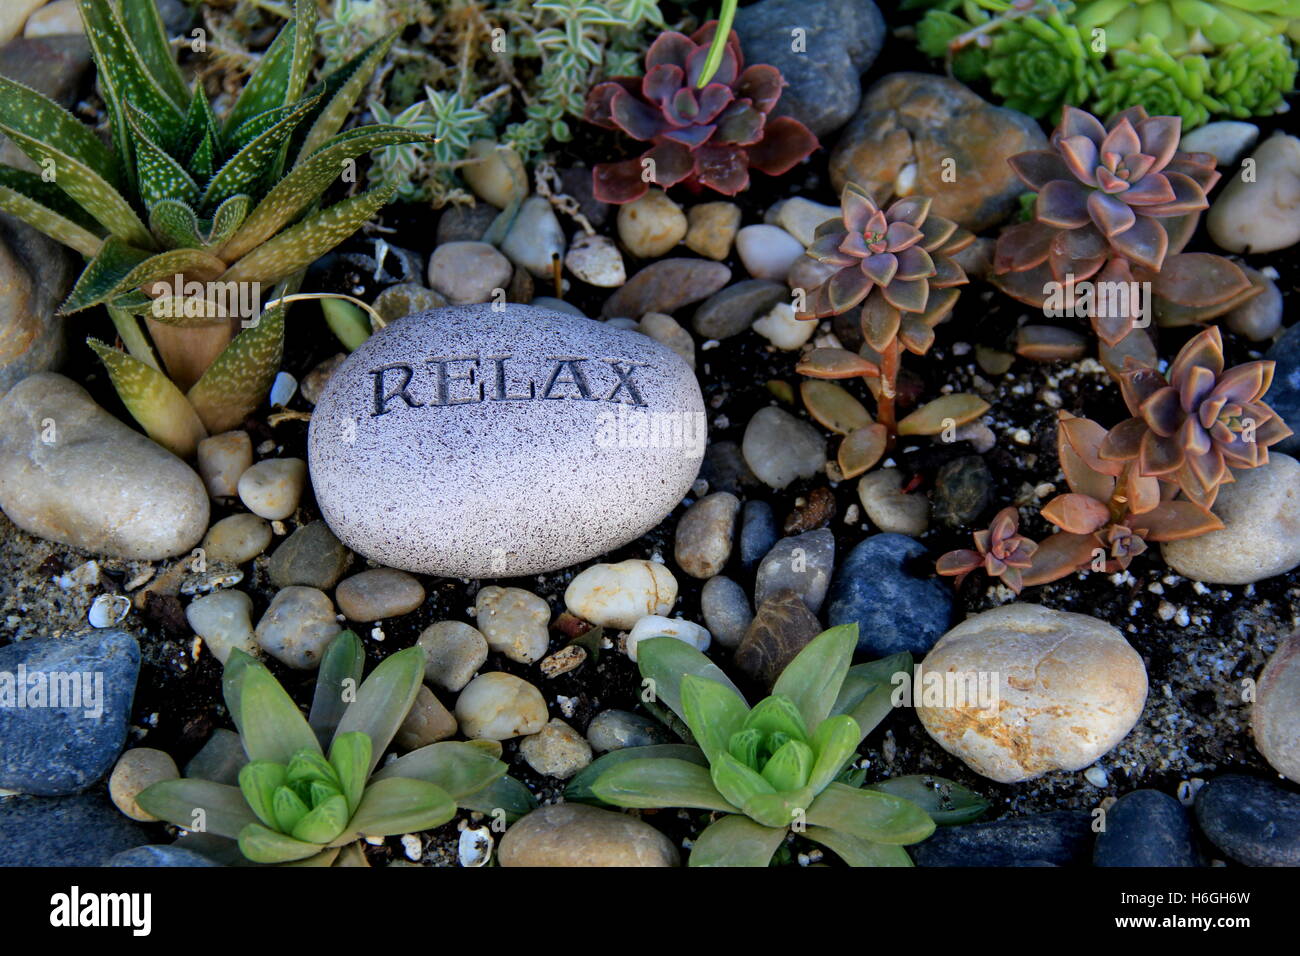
{"x":714,"y":59}
{"x":133,"y":337}
{"x":886,"y":413}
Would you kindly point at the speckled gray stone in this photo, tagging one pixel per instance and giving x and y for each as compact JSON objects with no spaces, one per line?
{"x":802,"y":563}
{"x":470,"y":442}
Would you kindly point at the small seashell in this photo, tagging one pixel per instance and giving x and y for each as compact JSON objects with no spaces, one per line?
{"x":108,"y":609}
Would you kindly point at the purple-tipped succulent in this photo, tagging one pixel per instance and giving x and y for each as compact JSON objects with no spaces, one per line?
{"x":1117,"y":203}
{"x":708,"y":137}
{"x":1196,"y":425}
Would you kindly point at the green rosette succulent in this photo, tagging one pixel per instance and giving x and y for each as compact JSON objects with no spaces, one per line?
{"x":1039,"y":65}
{"x":779,"y":766}
{"x":309,"y":787}
{"x":1251,"y":80}
{"x":181,"y":215}
{"x":1188,"y":26}
{"x":1164,"y":85}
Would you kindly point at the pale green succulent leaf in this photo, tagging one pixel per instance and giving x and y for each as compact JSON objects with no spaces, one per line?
{"x":871,"y":815}
{"x":264,"y":845}
{"x":579,"y":789}
{"x":337,"y":94}
{"x":271,"y":726}
{"x":258,"y":781}
{"x":400,"y":805}
{"x":323,"y":822}
{"x":232,"y":684}
{"x":122,"y":73}
{"x":82,"y":166}
{"x":813,"y":679}
{"x":856,"y":851}
{"x":301,"y":245}
{"x":666,"y":660}
{"x":735,"y":840}
{"x":778,"y":714}
{"x":43,"y":206}
{"x":659,"y":782}
{"x":384,"y":699}
{"x":867,"y":692}
{"x":348,"y":322}
{"x":309,"y":766}
{"x":948,"y":803}
{"x":737,"y":783}
{"x":159,"y":406}
{"x":834,"y":742}
{"x":144,"y":25}
{"x":790,"y":767}
{"x":298,"y":190}
{"x":337,"y":680}
{"x":350,"y":758}
{"x":214,"y":808}
{"x":459,"y":768}
{"x":250,"y":164}
{"x":712,"y":712}
{"x":242,"y":375}
{"x":779,"y":809}
{"x":287,"y":808}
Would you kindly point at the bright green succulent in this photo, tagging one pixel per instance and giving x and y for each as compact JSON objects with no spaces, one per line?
{"x":229,"y":206}
{"x":780,"y":766}
{"x":1189,"y":26}
{"x":1251,"y":80}
{"x":309,"y":787}
{"x":1164,"y":85}
{"x":1039,"y":65}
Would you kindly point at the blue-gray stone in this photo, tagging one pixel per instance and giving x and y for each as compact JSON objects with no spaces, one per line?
{"x":160,"y":855}
{"x":757,"y":532}
{"x":81,"y":830}
{"x":888,"y":587}
{"x":1284,"y":395}
{"x":1255,"y":822}
{"x":726,"y":610}
{"x":1146,"y":828}
{"x":802,"y":563}
{"x":52,"y":750}
{"x":616,"y":729}
{"x":841,"y":40}
{"x":1057,"y":838}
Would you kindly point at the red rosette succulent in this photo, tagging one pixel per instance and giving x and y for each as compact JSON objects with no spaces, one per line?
{"x":1117,"y":203}
{"x":1194,"y":426}
{"x":1000,"y":550}
{"x":704,"y":138}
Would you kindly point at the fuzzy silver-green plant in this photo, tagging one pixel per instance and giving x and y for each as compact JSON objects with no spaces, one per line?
{"x":1039,"y":65}
{"x":310,"y":785}
{"x":185,"y":214}
{"x":1162,"y":84}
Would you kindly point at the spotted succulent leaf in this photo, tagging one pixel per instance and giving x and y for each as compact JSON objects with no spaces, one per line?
{"x":237,"y":382}
{"x":281,"y":75}
{"x":159,"y":406}
{"x":145,"y":27}
{"x":44,"y":206}
{"x":243,"y":170}
{"x":200,"y":121}
{"x":82,"y":166}
{"x":335,"y":96}
{"x":293,"y":194}
{"x":121,"y":268}
{"x":159,"y":175}
{"x":300,"y":246}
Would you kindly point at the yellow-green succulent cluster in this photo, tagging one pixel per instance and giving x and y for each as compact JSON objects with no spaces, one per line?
{"x":1197,"y":59}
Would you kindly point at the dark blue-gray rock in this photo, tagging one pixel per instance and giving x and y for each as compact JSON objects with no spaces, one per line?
{"x":1057,"y":838}
{"x":734,"y":309}
{"x":1284,"y":395}
{"x":758,"y":532}
{"x":1146,"y":828}
{"x":888,"y":587}
{"x":823,"y":65}
{"x":63,"y":716}
{"x":725,"y":469}
{"x":81,"y":830}
{"x":963,"y":488}
{"x":160,"y":855}
{"x":1255,"y":822}
{"x":616,"y":729}
{"x":726,"y":610}
{"x":802,"y":563}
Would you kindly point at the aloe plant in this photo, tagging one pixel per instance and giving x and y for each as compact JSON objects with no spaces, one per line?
{"x":778,"y":767}
{"x":228,"y":206}
{"x":310,"y":788}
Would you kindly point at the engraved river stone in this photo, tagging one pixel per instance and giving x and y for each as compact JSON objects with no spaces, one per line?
{"x":474,"y":441}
